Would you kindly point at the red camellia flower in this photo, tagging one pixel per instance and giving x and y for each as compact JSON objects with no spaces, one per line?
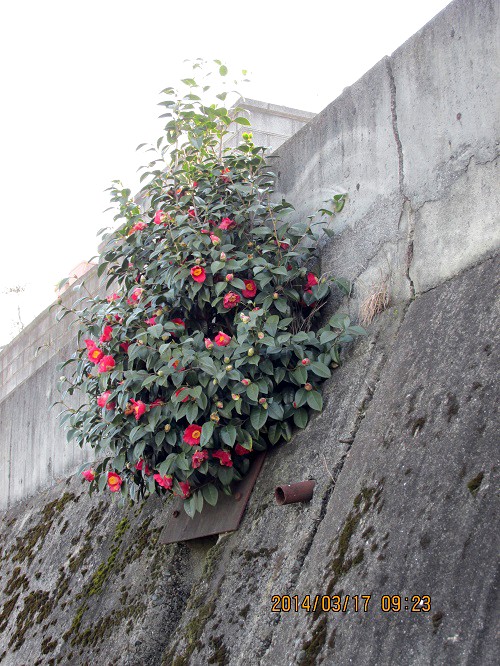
{"x":312,"y":280}
{"x":125,"y":346}
{"x":151,"y":321}
{"x":90,"y":344}
{"x":205,"y":231}
{"x":224,"y":457}
{"x":112,"y":297}
{"x":106,"y":334}
{"x":114,"y":482}
{"x":227,"y":224}
{"x":103,"y":399}
{"x":163,"y":481}
{"x":140,"y":465}
{"x":156,"y":403}
{"x":198,"y":458}
{"x":88,"y":474}
{"x":240,"y":450}
{"x":186,"y":490}
{"x":192,"y":212}
{"x":95,"y":355}
{"x":192,"y":434}
{"x":159,"y":217}
{"x":231,"y":300}
{"x":139,"y":226}
{"x":138,"y":408}
{"x":135,"y":296}
{"x":179,"y":322}
{"x":179,"y":391}
{"x":198,"y":274}
{"x":250,"y":289}
{"x":223,"y":177}
{"x":106,"y":364}
{"x":222,"y":339}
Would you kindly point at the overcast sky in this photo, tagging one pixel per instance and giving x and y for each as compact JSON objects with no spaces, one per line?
{"x":80,"y":84}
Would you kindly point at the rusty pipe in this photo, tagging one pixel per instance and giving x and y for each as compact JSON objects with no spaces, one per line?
{"x":294,"y":492}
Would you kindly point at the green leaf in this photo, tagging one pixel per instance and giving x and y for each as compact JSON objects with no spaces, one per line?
{"x":190,"y":506}
{"x":242,"y":121}
{"x":321,"y":370}
{"x":315,"y":400}
{"x":228,"y":435}
{"x":300,"y":374}
{"x":300,"y":418}
{"x":253,"y":392}
{"x":258,"y":417}
{"x":223,"y":70}
{"x":155,"y":330}
{"x":206,"y":433}
{"x":271,"y":325}
{"x":210,"y":494}
{"x":327,"y":336}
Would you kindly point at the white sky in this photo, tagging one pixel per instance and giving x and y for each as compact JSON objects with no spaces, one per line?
{"x":80,"y":84}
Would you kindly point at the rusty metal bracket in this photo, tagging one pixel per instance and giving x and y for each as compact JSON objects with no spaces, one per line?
{"x":294,"y":492}
{"x":224,"y":517}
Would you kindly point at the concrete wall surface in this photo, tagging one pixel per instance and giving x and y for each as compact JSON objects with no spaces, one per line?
{"x":404,"y":455}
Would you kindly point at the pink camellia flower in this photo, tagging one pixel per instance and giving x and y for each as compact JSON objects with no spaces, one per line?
{"x":240,"y":450}
{"x":106,"y":364}
{"x":151,"y":321}
{"x":112,"y":297}
{"x":163,"y":481}
{"x":229,"y":277}
{"x":306,"y":361}
{"x":222,"y":339}
{"x":103,"y":400}
{"x":245,"y":382}
{"x":215,"y":239}
{"x":138,"y":408}
{"x":125,"y":346}
{"x":208,"y":343}
{"x":198,"y":274}
{"x":186,"y":490}
{"x":139,"y":226}
{"x":106,"y":334}
{"x":159,"y":217}
{"x":250,"y":289}
{"x":224,"y":457}
{"x":135,"y":296}
{"x":312,"y":280}
{"x":88,"y":474}
{"x":231,"y":300}
{"x":179,"y":391}
{"x":192,"y":435}
{"x":114,"y":482}
{"x":227,"y":224}
{"x":198,"y":458}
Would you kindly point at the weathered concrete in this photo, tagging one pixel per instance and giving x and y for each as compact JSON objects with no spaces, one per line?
{"x":404,"y":454}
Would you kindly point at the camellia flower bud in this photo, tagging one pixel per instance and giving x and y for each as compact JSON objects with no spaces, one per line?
{"x":160,"y":373}
{"x":251,"y":351}
{"x":246,"y":382}
{"x":167,"y":427}
{"x":260,"y":335}
{"x":227,"y":359}
{"x":229,"y":277}
{"x":229,"y":368}
{"x":235,"y":396}
{"x":223,"y":256}
{"x":214,"y":382}
{"x":294,"y":404}
{"x":165,"y":336}
{"x":197,"y":261}
{"x":262,"y":401}
{"x":214,"y":417}
{"x":219,"y":404}
{"x":308,"y":387}
{"x":305,"y":361}
{"x":143,"y":279}
{"x":276,"y":295}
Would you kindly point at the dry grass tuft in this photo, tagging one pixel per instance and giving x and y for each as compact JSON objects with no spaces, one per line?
{"x":375,"y":302}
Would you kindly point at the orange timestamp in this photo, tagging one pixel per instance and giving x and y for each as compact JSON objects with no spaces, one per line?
{"x":394,"y":603}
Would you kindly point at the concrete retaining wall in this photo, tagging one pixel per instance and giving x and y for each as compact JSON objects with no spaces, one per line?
{"x":404,"y":455}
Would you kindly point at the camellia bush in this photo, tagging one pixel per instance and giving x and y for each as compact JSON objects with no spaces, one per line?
{"x":210,"y":344}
